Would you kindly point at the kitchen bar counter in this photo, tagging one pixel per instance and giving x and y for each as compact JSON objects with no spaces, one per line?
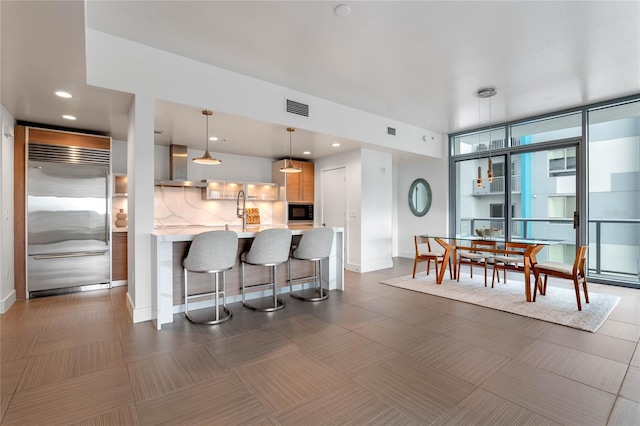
{"x":169,"y":244}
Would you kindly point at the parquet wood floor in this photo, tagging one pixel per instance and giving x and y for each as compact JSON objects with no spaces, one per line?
{"x":373,"y":354}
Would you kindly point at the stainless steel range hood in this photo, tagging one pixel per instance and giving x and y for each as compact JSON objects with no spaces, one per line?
{"x":178,"y":169}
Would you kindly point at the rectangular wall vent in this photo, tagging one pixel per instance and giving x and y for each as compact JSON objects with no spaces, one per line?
{"x":391,"y":131}
{"x":297,"y":108}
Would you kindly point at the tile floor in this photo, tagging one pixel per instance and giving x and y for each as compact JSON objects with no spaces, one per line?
{"x":373,"y":354}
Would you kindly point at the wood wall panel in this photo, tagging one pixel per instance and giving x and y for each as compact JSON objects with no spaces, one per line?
{"x":19,"y":213}
{"x":55,"y":137}
{"x":119,"y":270}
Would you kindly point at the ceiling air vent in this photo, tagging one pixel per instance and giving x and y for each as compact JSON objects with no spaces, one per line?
{"x":391,"y":131}
{"x":297,"y":108}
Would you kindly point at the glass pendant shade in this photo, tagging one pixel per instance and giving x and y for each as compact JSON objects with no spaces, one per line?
{"x":479,"y":180}
{"x":289,"y":167}
{"x":206,"y":158}
{"x":490,"y":171}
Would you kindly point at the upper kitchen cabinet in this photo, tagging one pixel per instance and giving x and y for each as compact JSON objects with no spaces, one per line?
{"x":262,"y":191}
{"x":298,"y":187}
{"x":119,"y":185}
{"x":221,"y":190}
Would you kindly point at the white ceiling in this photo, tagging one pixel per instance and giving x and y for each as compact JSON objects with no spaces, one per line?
{"x":417,"y":62}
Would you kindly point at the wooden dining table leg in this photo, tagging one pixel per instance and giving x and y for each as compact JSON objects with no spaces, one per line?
{"x":445,"y":259}
{"x":527,"y":278}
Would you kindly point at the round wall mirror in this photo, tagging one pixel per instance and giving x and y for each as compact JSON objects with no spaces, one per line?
{"x":419,"y":197}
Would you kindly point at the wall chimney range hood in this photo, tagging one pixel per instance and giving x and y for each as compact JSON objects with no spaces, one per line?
{"x":178,"y":169}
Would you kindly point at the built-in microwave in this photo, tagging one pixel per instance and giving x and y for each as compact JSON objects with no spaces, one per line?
{"x":300,"y":212}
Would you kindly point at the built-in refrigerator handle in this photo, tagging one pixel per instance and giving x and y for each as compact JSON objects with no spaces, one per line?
{"x":65,"y":255}
{"x":107,"y":216}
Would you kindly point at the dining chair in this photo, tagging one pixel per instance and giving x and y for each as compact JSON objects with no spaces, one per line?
{"x":575,"y":272}
{"x":476,"y":256}
{"x":423,"y":253}
{"x":512,"y":259}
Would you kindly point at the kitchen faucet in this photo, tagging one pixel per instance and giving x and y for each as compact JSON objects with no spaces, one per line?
{"x":242,"y":211}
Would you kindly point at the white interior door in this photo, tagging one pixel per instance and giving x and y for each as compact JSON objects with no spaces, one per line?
{"x":334,"y":198}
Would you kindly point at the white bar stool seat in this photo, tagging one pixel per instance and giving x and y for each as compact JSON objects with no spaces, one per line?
{"x":314,"y":246}
{"x":212,"y":252}
{"x":269,"y":248}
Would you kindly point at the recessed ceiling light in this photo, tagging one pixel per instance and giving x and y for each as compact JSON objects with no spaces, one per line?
{"x":213,"y":138}
{"x":335,"y":144}
{"x":63,"y":94}
{"x":68,"y":117}
{"x":307,"y":152}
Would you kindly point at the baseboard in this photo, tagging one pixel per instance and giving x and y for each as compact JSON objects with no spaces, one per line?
{"x":7,"y":302}
{"x":139,"y":314}
{"x":377,"y":266}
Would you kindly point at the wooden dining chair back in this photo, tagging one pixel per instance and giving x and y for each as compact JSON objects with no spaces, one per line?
{"x":512,"y":259}
{"x":575,"y":272}
{"x":476,"y":256}
{"x":423,"y":253}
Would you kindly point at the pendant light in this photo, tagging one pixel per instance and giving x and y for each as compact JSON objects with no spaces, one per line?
{"x":290,"y":168}
{"x":206,"y":157}
{"x":482,"y":94}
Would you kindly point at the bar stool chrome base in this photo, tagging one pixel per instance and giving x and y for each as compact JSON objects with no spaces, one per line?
{"x":226,"y":315}
{"x":279,"y":305}
{"x":222,"y":318}
{"x":323,"y":294}
{"x":277,"y":302}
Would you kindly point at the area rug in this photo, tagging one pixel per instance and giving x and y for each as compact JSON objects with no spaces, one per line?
{"x":558,"y":306}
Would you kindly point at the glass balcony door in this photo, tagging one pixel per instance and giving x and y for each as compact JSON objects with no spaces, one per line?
{"x":544,"y":201}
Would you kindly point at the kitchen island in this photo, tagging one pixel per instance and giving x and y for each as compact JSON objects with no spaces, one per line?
{"x":170,"y":244}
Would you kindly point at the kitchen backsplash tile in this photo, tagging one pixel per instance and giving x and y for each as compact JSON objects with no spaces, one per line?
{"x":185,"y":206}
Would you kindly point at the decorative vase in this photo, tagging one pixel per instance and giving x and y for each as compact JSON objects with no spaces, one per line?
{"x":121,"y":219}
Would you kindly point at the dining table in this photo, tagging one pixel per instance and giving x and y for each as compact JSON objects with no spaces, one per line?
{"x":451,"y":245}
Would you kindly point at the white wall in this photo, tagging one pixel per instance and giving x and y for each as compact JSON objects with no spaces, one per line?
{"x":7,"y":281}
{"x":435,"y":222}
{"x":376,"y":213}
{"x":119,"y":156}
{"x":173,"y":78}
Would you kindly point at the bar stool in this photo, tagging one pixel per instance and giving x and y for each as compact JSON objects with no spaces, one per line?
{"x":269,"y":248}
{"x":212,"y":252}
{"x":314,"y":246}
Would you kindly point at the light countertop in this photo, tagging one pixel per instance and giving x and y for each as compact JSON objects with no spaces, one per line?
{"x":186,"y":233}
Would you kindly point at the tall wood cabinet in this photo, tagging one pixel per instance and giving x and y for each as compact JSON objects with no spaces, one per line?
{"x":119,"y":269}
{"x":297,"y":187}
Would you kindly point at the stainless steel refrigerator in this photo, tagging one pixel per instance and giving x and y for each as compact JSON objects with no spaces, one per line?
{"x":68,"y":219}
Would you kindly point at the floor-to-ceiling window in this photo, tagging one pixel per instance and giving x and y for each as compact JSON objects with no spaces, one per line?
{"x":571,"y":178}
{"x":614,"y":191}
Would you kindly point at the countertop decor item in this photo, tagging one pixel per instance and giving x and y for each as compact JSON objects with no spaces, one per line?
{"x":253,"y":216}
{"x":121,"y":219}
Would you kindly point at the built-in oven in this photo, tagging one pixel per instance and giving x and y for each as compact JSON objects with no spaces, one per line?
{"x":300,"y":212}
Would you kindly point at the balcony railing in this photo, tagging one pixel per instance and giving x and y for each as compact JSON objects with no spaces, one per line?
{"x":495,"y":187}
{"x":614,"y":251}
